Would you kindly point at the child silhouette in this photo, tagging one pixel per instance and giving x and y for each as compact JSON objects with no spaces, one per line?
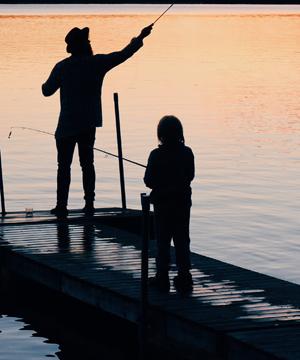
{"x":169,"y":173}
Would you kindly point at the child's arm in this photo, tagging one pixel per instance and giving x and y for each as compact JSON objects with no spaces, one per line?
{"x":149,"y":177}
{"x":190,"y":166}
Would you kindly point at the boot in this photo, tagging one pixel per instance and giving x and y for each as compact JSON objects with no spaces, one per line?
{"x":183,"y":282}
{"x":60,"y":211}
{"x":89,"y":209}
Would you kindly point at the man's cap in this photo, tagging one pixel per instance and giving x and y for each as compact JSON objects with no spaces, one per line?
{"x":76,"y":35}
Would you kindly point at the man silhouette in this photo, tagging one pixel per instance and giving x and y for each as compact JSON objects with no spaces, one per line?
{"x":79,"y":78}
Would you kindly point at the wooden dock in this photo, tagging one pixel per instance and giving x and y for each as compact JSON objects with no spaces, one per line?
{"x":232,"y":313}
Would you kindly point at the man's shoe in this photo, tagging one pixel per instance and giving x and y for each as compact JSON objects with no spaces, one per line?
{"x":89,"y":210}
{"x":161,"y":283}
{"x":60,"y":211}
{"x":183,"y":283}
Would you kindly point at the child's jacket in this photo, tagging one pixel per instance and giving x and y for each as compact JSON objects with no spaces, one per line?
{"x":169,"y":173}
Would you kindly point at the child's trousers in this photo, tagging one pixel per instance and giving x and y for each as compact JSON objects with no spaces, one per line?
{"x":172,"y":222}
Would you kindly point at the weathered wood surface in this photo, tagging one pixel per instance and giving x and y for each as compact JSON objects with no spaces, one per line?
{"x":232,"y":313}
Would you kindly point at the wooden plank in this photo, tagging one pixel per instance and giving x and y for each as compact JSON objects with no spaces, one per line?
{"x":232,"y":311}
{"x":284,"y":342}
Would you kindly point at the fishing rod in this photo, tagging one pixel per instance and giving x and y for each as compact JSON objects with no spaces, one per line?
{"x":48,"y":133}
{"x":161,"y":15}
{"x":97,"y":149}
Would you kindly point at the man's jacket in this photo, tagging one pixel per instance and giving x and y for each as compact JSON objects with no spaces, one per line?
{"x":80,"y":79}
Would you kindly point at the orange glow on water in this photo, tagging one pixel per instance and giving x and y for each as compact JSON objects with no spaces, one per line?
{"x":233,"y":79}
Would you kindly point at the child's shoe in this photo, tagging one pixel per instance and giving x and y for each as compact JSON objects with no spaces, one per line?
{"x":160,"y":282}
{"x":183,"y":282}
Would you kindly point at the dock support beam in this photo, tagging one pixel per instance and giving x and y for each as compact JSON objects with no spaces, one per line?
{"x":120,"y":153}
{"x":3,"y":211}
{"x":143,"y":330}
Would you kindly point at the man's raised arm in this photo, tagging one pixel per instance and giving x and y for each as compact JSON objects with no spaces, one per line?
{"x":115,"y":58}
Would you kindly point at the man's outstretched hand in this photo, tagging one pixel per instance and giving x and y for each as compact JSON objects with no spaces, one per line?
{"x":146,"y":31}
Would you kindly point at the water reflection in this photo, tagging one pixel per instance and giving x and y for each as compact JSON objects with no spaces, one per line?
{"x":88,"y":237}
{"x":19,"y":340}
{"x":63,"y":237}
{"x":232,"y":77}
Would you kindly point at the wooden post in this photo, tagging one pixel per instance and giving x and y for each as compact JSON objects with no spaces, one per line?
{"x":3,"y":212}
{"x":120,"y":153}
{"x":143,"y":326}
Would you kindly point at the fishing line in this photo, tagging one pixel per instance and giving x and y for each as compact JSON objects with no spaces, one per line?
{"x":161,"y":15}
{"x":97,"y":149}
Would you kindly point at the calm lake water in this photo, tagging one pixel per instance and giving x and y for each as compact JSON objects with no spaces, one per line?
{"x":231,"y":73}
{"x":20,"y":341}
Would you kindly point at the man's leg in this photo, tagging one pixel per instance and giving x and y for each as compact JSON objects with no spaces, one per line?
{"x":86,"y":143}
{"x":65,"y":149}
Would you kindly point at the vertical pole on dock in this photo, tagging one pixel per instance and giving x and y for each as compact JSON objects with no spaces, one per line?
{"x":3,"y":212}
{"x":120,"y":153}
{"x":143,"y":329}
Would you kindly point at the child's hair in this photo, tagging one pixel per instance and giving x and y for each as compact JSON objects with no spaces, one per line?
{"x":170,"y":130}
